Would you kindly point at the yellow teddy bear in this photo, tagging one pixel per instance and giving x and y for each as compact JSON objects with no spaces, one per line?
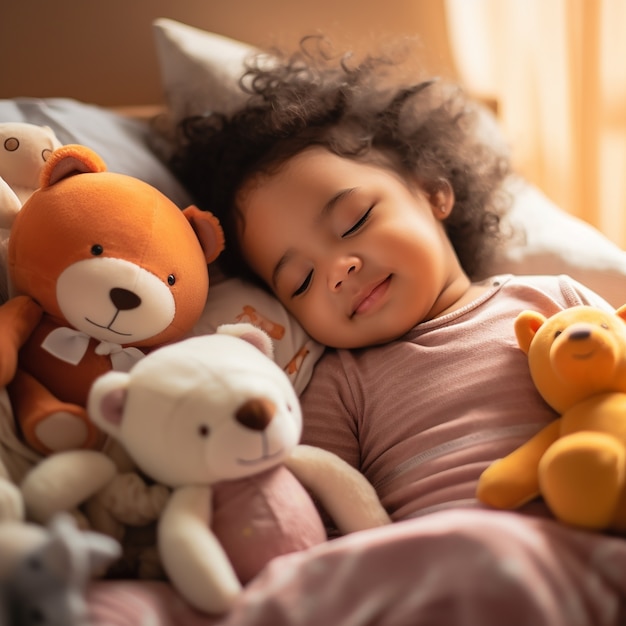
{"x":577,"y":360}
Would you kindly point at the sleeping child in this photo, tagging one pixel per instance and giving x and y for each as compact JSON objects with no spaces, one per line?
{"x":369,"y":203}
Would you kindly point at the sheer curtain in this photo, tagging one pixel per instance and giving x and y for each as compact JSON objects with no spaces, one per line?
{"x":558,"y":71}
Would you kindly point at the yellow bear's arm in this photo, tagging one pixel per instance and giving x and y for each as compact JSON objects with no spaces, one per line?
{"x":19,"y":316}
{"x":510,"y":482}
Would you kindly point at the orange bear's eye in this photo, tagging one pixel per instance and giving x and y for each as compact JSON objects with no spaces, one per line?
{"x":97,"y":249}
{"x":171,"y":279}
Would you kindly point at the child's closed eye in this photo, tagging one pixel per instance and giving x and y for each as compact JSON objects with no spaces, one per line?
{"x":358,"y":224}
{"x":303,"y":287}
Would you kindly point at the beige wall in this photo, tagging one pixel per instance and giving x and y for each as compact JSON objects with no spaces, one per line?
{"x":101,"y":51}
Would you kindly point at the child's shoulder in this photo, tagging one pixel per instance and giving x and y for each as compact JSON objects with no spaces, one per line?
{"x":540,"y":290}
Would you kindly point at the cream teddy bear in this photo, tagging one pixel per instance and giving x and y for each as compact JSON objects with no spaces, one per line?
{"x":218,"y":421}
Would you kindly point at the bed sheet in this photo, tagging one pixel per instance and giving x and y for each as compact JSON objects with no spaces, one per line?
{"x":452,"y":568}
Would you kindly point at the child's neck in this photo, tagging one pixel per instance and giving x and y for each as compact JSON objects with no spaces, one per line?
{"x":456,"y":295}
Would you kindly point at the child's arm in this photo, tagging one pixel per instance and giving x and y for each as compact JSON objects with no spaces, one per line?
{"x":19,"y":316}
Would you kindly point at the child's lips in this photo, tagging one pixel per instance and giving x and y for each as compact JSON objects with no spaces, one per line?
{"x":370,"y":296}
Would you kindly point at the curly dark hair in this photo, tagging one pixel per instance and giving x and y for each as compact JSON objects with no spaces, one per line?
{"x":428,"y":128}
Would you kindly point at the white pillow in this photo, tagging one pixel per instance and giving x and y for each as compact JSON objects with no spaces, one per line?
{"x":550,"y":241}
{"x":126,"y":145}
{"x":199,"y":70}
{"x":200,"y":73}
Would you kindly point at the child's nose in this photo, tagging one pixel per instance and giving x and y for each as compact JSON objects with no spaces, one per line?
{"x":342,"y":269}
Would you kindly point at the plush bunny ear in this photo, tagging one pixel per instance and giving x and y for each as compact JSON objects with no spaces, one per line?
{"x":253,"y":335}
{"x":69,"y":160}
{"x":208,"y":230}
{"x":9,"y":204}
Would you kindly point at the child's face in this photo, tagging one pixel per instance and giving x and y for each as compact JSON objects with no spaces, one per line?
{"x":356,"y":254}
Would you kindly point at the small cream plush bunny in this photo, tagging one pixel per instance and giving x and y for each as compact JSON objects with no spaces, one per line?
{"x":24,"y":148}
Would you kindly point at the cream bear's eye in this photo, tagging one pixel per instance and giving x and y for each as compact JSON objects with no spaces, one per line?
{"x":204,"y":430}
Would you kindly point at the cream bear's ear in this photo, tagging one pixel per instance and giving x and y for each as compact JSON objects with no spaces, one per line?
{"x":527,"y":323}
{"x":69,"y":160}
{"x":106,"y":401}
{"x":250,"y":333}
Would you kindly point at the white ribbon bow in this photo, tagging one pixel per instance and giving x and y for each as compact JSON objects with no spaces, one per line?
{"x":70,"y":345}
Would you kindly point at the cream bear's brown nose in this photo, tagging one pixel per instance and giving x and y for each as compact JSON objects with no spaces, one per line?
{"x":256,"y":413}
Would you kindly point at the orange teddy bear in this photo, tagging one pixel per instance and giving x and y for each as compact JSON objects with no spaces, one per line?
{"x":106,"y":268}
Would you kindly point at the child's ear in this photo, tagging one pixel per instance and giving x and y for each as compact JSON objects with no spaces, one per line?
{"x":441,"y":197}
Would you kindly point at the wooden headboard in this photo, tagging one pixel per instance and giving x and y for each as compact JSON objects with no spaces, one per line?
{"x":103,"y":53}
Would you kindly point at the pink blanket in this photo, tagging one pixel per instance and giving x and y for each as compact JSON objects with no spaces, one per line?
{"x":455,"y":568}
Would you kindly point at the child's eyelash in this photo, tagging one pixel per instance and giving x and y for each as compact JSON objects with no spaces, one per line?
{"x":303,"y":287}
{"x":360,"y":222}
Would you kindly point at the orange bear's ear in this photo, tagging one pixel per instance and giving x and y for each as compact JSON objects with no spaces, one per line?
{"x":527,"y":323}
{"x":69,"y":160}
{"x":208,"y":230}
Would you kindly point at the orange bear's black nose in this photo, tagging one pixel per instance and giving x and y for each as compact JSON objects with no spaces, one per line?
{"x":123,"y":299}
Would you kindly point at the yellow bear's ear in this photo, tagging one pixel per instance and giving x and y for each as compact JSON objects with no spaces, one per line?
{"x":621,"y":312}
{"x":527,"y":323}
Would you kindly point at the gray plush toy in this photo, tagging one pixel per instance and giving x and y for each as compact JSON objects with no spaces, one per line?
{"x":44,"y":572}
